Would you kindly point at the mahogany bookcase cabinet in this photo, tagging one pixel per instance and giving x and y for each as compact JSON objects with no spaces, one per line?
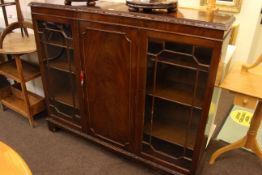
{"x":139,"y":84}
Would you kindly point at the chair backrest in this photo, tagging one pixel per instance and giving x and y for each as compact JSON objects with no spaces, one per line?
{"x":3,"y":5}
{"x":21,"y":23}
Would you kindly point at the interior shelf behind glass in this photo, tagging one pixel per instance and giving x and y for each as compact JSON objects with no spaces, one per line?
{"x":60,"y":59}
{"x":171,"y":121}
{"x":184,"y":55}
{"x":56,"y":34}
{"x":176,"y":84}
{"x":170,"y":131}
{"x":63,"y":97}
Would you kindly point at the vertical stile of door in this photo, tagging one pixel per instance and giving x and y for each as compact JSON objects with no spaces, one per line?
{"x":153,"y":99}
{"x":192,"y":105}
{"x":71,"y":74}
{"x":46,"y":60}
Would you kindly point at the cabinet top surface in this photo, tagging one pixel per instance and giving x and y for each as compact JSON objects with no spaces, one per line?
{"x":184,"y":16}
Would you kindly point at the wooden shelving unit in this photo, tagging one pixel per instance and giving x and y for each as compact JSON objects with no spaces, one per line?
{"x":17,"y":97}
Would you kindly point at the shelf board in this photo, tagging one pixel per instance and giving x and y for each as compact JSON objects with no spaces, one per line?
{"x":169,"y":152}
{"x":172,"y":132}
{"x":175,"y":95}
{"x":9,"y":69}
{"x":16,"y":102}
{"x":62,"y":65}
{"x":66,"y":98}
{"x":180,"y":60}
{"x":57,"y":43}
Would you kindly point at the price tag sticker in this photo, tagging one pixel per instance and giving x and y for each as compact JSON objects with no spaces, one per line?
{"x":242,"y":117}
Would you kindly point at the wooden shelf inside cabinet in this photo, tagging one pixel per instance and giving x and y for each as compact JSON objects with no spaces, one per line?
{"x":58,"y":43}
{"x":179,"y":60}
{"x":62,"y":65}
{"x":172,"y":134}
{"x":171,"y":153}
{"x":174,"y":95}
{"x":9,"y":69}
{"x":16,"y":102}
{"x":66,"y":98}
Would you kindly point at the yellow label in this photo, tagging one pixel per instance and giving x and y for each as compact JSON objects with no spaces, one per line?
{"x":242,"y":117}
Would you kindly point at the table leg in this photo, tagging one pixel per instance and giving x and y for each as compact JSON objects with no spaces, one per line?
{"x":24,"y":90}
{"x":249,"y":141}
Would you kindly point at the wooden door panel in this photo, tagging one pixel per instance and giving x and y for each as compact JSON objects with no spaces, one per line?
{"x":108,"y":57}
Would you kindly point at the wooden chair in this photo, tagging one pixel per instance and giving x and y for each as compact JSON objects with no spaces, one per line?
{"x":21,"y":23}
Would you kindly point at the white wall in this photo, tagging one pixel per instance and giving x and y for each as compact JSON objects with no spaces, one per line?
{"x":256,"y":49}
{"x":248,"y":19}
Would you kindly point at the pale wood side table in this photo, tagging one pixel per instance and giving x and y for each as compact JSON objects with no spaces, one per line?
{"x":246,"y":83}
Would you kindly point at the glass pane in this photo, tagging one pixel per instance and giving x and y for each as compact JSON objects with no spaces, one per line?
{"x":175,"y":84}
{"x":58,"y":57}
{"x":179,"y":47}
{"x":203,"y":55}
{"x":177,"y":76}
{"x":165,"y":132}
{"x":62,"y":93}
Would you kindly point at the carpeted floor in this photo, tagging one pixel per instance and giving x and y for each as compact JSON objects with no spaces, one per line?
{"x":62,"y":153}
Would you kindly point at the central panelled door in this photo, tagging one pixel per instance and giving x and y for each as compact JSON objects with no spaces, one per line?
{"x":109,"y":57}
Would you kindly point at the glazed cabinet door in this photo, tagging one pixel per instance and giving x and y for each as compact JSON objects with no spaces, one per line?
{"x":180,"y":79}
{"x":109,"y":56}
{"x":60,"y":69}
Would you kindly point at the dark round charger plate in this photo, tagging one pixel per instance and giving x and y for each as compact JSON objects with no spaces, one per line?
{"x":88,"y":2}
{"x":149,"y":5}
